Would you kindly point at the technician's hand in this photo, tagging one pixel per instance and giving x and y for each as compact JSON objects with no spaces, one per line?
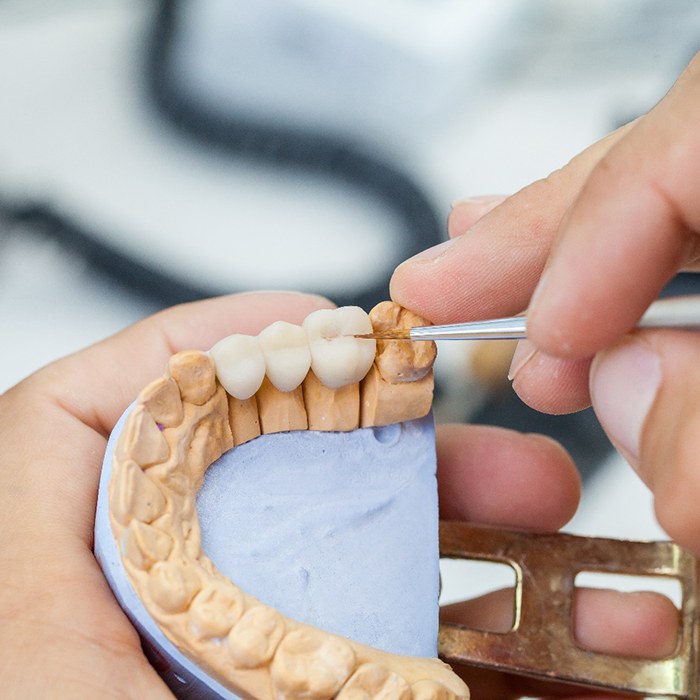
{"x":587,"y":250}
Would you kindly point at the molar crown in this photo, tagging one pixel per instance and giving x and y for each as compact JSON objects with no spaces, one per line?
{"x":337,"y":358}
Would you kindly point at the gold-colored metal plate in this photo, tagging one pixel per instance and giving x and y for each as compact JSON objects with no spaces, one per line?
{"x":541,"y":643}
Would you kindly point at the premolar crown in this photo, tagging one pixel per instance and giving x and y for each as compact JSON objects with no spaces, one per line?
{"x":240,"y":364}
{"x":287,"y":354}
{"x":337,"y":358}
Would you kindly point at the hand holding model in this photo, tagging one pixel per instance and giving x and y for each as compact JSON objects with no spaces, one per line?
{"x":62,"y":633}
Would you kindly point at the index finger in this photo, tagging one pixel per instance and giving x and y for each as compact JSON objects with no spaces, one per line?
{"x":633,"y":227}
{"x":492,"y":269}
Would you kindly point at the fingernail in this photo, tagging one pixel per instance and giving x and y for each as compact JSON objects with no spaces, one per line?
{"x":624,"y":384}
{"x":539,"y":289}
{"x":524,"y":352}
{"x":481,"y":200}
{"x":433,"y":253}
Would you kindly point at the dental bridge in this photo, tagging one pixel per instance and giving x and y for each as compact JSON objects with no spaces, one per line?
{"x":320,"y":377}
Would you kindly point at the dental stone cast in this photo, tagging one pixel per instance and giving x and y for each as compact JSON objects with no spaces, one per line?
{"x":180,"y":425}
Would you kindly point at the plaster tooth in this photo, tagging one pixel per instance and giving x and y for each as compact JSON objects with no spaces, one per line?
{"x":144,"y":545}
{"x":375,"y":682}
{"x":310,"y":664}
{"x":400,"y":361}
{"x":254,"y":638}
{"x":337,"y":358}
{"x":193,"y":372}
{"x":216,"y":609}
{"x":142,"y":440}
{"x":161,"y":398}
{"x":287,"y":354}
{"x":240,"y":364}
{"x":172,"y":585}
{"x":134,"y":495}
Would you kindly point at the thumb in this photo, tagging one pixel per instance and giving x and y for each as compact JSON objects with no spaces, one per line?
{"x":646,"y":393}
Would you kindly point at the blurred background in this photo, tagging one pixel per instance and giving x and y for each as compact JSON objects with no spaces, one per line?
{"x":153,"y":152}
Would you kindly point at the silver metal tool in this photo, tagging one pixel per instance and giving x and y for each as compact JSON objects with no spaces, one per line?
{"x":672,"y":312}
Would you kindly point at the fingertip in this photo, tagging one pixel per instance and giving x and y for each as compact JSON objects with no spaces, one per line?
{"x":624,"y":382}
{"x":555,"y":455}
{"x":426,"y":282}
{"x":537,"y":483}
{"x":676,"y":477}
{"x":524,"y":352}
{"x":641,"y":624}
{"x":550,"y":384}
{"x":466,"y":212}
{"x":491,"y":612}
{"x":646,"y":394}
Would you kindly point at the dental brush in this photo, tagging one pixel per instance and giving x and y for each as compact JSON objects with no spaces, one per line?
{"x":673,"y":312}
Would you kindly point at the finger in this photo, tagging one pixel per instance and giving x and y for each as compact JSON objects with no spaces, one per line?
{"x":492,"y":270}
{"x":549,"y":384}
{"x":634,"y":225}
{"x":492,"y":612}
{"x":467,"y":212}
{"x":639,"y":625}
{"x":500,"y":477}
{"x":646,"y":393}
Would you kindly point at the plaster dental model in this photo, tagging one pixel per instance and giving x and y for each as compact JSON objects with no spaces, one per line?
{"x":298,"y":412}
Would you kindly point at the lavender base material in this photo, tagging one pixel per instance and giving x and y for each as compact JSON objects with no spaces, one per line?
{"x":335,"y":529}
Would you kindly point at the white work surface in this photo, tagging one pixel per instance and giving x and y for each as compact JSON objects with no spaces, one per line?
{"x":74,"y":130}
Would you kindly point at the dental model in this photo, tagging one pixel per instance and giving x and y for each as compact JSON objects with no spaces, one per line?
{"x":289,"y":378}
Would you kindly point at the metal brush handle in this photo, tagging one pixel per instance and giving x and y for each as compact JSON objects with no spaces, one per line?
{"x":673,"y":312}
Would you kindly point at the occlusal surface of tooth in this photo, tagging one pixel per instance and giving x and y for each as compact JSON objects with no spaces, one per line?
{"x":240,"y":364}
{"x":285,"y":347}
{"x":337,"y":358}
